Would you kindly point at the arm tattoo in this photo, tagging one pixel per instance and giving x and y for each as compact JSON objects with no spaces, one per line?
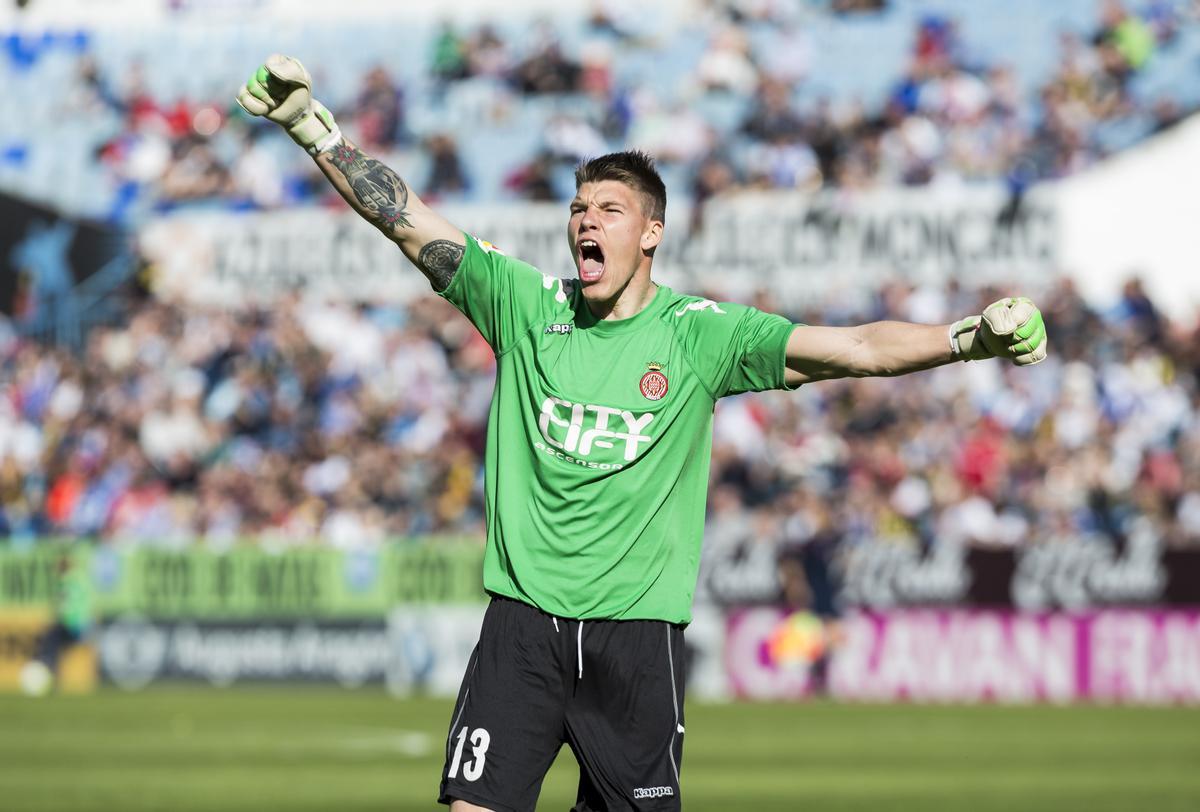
{"x":440,"y":260}
{"x":380,"y":191}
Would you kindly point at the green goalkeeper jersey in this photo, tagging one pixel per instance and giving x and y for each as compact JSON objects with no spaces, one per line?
{"x":599,"y":435}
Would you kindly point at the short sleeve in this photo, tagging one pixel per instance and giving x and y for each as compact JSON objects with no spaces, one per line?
{"x":735,"y":348}
{"x":760,"y":353}
{"x":500,"y":295}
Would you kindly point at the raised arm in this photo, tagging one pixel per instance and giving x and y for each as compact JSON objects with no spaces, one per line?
{"x":1010,"y":328}
{"x":384,"y":200}
{"x":281,"y":91}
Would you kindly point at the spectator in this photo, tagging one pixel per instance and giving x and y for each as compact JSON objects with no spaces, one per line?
{"x":535,"y":180}
{"x":714,"y":177}
{"x":488,"y":54}
{"x":447,"y":176}
{"x":572,"y":138}
{"x":672,"y":134}
{"x":291,"y":426}
{"x":1130,"y":39}
{"x":950,"y":114}
{"x":546,"y":69}
{"x":256,"y":176}
{"x":773,"y":115}
{"x":727,"y":64}
{"x":378,"y":112}
{"x":195,"y":173}
{"x":448,"y":62}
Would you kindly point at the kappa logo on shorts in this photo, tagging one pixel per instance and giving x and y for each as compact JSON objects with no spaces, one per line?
{"x":652,"y":792}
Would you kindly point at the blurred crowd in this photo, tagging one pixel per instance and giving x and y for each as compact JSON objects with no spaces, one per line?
{"x":1101,"y":442}
{"x":950,"y":116}
{"x":348,"y":425}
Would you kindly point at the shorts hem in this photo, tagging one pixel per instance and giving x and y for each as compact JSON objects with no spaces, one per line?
{"x":472,"y":798}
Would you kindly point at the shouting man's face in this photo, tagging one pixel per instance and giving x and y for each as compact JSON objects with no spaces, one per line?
{"x":611,"y":238}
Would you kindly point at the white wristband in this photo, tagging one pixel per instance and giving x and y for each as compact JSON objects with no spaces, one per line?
{"x":325,"y":144}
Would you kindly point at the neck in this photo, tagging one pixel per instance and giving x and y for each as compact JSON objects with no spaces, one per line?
{"x":630,"y":300}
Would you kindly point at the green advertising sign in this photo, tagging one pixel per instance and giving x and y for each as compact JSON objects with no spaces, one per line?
{"x":249,"y":582}
{"x":30,"y":577}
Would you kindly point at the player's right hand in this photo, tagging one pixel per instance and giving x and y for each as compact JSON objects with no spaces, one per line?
{"x":1010,"y":328}
{"x":281,"y":90}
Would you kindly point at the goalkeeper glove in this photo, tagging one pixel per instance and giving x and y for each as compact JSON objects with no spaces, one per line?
{"x":1011,"y":328}
{"x":281,"y":90}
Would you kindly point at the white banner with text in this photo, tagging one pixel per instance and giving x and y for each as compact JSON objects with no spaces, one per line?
{"x":799,"y":247}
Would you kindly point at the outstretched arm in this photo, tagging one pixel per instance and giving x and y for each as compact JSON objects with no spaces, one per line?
{"x":877,"y":349}
{"x":281,"y":91}
{"x":1011,"y":328}
{"x":383,"y":199}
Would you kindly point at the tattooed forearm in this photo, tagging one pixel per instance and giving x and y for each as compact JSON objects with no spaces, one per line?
{"x":440,"y":260}
{"x":381,"y":193}
{"x":382,"y":198}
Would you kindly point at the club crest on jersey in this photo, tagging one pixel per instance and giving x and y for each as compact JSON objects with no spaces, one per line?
{"x":654,"y":382}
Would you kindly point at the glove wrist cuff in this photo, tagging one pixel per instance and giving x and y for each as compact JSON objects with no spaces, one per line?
{"x":317,"y":131}
{"x":965,"y":344}
{"x":331,"y":140}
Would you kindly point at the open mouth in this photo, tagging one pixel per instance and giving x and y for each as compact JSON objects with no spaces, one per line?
{"x":591,"y":261}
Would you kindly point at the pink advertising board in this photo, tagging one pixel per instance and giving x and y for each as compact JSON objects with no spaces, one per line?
{"x":1135,"y":656}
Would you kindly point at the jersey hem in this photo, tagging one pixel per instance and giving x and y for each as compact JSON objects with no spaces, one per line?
{"x":495,"y":593}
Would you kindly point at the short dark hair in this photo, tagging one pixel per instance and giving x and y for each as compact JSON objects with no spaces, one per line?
{"x":633,"y":168}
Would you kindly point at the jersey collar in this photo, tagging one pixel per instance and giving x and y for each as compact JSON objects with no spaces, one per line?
{"x":585,"y":320}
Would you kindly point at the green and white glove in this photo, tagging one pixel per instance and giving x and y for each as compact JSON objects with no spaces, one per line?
{"x":1011,"y":328}
{"x":281,"y":90}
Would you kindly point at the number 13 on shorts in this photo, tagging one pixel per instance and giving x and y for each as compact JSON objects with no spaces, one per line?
{"x":473,"y":768}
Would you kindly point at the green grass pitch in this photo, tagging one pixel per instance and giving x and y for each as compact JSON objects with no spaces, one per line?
{"x":292,"y":749}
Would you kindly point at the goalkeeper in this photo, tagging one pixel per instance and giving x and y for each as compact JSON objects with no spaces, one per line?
{"x":597,"y":459}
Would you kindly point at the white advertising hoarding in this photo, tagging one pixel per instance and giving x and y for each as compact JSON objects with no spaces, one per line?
{"x":797,"y":246}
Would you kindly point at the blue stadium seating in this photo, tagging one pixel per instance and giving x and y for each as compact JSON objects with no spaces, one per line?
{"x":857,"y":57}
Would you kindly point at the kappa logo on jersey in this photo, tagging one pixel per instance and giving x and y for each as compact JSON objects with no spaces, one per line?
{"x":652,"y":792}
{"x":703,"y":304}
{"x":654,"y":382}
{"x":590,"y":427}
{"x":559,"y":329}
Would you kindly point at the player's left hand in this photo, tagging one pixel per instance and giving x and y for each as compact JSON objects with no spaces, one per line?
{"x":1011,"y":328}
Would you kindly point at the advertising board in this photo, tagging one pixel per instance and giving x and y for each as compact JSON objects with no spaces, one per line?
{"x":934,"y":655}
{"x":415,"y":648}
{"x":251,"y":582}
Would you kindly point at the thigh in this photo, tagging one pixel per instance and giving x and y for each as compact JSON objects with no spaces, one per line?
{"x":507,"y":725}
{"x":625,"y":717}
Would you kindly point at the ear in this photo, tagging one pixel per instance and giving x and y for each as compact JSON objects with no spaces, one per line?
{"x":652,"y":236}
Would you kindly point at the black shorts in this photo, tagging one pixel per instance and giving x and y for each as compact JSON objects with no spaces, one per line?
{"x":612,"y":690}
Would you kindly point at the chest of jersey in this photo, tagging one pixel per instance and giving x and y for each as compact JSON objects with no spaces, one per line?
{"x":603,"y":399}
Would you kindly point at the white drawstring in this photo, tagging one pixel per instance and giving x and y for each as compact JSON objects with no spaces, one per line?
{"x":578,"y":643}
{"x":579,"y":648}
